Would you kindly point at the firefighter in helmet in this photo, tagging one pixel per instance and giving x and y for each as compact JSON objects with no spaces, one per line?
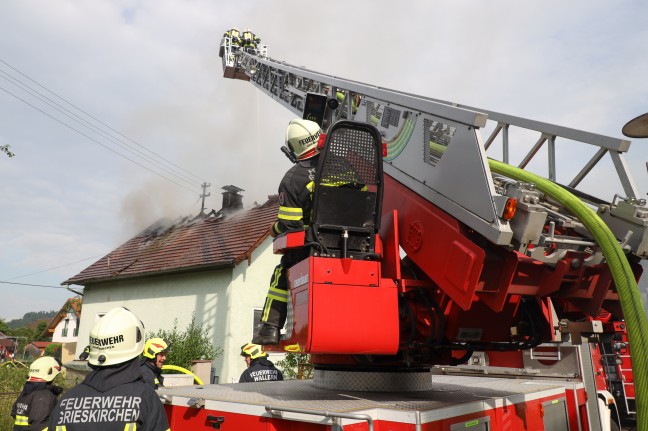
{"x":153,"y":358}
{"x":295,"y":192}
{"x":32,"y":409}
{"x":250,"y":41}
{"x":114,"y":395}
{"x":235,"y":38}
{"x":259,"y":369}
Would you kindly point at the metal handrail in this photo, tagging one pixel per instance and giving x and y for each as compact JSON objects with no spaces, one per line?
{"x":275,"y":411}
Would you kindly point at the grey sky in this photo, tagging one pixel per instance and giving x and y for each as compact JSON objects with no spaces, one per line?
{"x":150,"y":69}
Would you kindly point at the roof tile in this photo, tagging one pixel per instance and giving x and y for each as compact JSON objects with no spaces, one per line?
{"x":187,"y":243}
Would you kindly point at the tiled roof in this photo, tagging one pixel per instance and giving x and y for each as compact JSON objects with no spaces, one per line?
{"x":41,"y":344}
{"x":186,"y":244}
{"x":71,"y":305}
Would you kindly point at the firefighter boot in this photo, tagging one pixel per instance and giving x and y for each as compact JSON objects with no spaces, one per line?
{"x":268,"y":334}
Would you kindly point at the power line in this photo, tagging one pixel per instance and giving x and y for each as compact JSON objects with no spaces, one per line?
{"x":92,"y":127}
{"x":56,"y":267}
{"x":97,"y":120}
{"x":180,"y":173}
{"x":33,"y":285}
{"x":94,"y":140}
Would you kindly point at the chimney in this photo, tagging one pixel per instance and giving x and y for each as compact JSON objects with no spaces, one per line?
{"x":232,"y":200}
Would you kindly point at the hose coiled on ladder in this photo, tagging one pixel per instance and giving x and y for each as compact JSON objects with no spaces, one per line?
{"x":622,"y":275}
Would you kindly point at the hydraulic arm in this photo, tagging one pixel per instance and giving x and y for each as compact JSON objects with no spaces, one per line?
{"x":484,"y":255}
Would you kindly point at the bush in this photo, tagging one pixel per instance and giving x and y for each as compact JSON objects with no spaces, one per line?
{"x":13,"y":378}
{"x":296,"y":366}
{"x":53,"y":350}
{"x":189,"y":345}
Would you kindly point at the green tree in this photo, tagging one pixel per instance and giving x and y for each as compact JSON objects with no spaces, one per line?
{"x":296,"y":366}
{"x":4,"y":328}
{"x":191,"y":344}
{"x":54,"y":350}
{"x":39,"y":331}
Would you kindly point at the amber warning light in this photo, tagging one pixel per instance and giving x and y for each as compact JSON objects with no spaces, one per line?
{"x":509,"y":209}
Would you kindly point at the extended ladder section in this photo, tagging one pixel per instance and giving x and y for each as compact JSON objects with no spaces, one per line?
{"x":435,"y":148}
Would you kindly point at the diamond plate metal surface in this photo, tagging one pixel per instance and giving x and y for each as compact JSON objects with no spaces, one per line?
{"x":446,"y":392}
{"x":373,"y":381}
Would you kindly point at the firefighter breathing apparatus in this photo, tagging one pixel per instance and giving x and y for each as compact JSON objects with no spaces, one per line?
{"x":116,"y":338}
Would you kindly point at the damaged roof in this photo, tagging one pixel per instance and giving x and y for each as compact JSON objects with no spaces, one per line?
{"x":189,"y":243}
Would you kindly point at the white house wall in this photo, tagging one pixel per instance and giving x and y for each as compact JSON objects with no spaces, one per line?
{"x":222,"y":300}
{"x":58,"y":336}
{"x":246,"y":292}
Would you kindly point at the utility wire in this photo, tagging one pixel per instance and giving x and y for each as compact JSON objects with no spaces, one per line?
{"x":99,"y":121}
{"x":94,"y":140}
{"x":33,"y":285}
{"x":179,"y":173}
{"x":50,"y":269}
{"x":73,"y":116}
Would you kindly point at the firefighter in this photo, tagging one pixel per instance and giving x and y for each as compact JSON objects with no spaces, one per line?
{"x":153,"y":358}
{"x":32,"y":409}
{"x":250,"y":41}
{"x":235,"y":38}
{"x":295,"y":192}
{"x":114,"y":395}
{"x":259,"y":369}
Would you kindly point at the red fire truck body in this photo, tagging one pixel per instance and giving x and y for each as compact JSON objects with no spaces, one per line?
{"x":452,"y":292}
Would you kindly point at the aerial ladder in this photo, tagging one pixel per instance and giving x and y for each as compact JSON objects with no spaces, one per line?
{"x":462,"y":265}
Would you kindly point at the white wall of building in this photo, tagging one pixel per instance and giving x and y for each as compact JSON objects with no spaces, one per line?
{"x":61,"y":335}
{"x":222,"y":300}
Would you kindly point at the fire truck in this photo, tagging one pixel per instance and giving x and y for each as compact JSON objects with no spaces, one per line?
{"x":444,"y":289}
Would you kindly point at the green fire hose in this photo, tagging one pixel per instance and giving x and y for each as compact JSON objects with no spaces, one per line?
{"x":622,"y":275}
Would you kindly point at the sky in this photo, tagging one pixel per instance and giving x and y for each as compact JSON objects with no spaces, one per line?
{"x":81,"y":81}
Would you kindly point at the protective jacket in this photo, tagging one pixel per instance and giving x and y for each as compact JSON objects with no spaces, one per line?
{"x":152,"y":374}
{"x":32,"y":409}
{"x":261,"y":370}
{"x":111,"y":398}
{"x":295,"y":205}
{"x":295,"y":200}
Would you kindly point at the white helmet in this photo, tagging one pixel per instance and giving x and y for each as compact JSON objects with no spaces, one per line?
{"x":302,"y":137}
{"x":116,"y":338}
{"x":45,"y":368}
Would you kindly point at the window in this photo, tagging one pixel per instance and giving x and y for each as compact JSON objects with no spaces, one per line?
{"x":65,"y":328}
{"x":75,"y":333}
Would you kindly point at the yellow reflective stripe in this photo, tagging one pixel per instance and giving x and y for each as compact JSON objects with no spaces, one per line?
{"x":61,"y":428}
{"x":310,"y":186}
{"x":278,"y":292}
{"x":131,"y":426}
{"x":45,"y":429}
{"x":278,"y":298}
{"x":290,"y":213}
{"x":290,"y":210}
{"x":291,"y":218}
{"x":21,"y":421}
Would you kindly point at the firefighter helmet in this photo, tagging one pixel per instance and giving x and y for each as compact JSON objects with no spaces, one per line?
{"x":301,"y":138}
{"x":254,"y":351}
{"x":116,"y":338}
{"x":154,"y":346}
{"x":45,"y":368}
